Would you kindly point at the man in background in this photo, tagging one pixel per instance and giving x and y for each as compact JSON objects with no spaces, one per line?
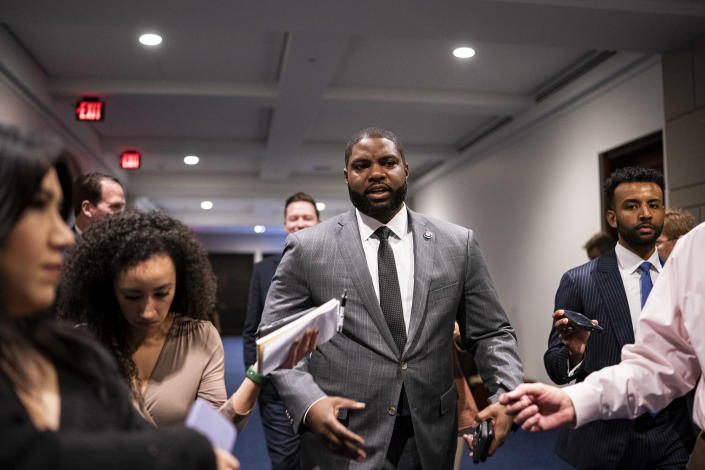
{"x":599,"y":244}
{"x":612,"y":290}
{"x":96,"y":195}
{"x":283,"y":444}
{"x":676,"y":223}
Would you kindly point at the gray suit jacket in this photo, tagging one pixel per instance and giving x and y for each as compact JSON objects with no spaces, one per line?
{"x":451,"y":282}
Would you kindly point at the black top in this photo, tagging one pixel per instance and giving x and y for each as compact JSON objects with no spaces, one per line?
{"x":93,"y":434}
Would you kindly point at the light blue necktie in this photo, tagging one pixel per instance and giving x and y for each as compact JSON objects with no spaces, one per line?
{"x":646,"y":283}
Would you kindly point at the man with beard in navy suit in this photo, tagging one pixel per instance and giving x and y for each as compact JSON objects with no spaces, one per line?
{"x":612,"y":289}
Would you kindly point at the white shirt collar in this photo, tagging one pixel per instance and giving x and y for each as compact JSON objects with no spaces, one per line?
{"x":629,"y":261}
{"x":399,"y":225}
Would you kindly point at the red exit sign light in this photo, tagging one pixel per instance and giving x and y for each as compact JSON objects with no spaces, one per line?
{"x":130,"y":160}
{"x":89,"y":109}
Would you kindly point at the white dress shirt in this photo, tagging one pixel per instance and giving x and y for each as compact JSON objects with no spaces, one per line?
{"x":628,"y":263}
{"x":668,"y":356}
{"x":401,"y":241}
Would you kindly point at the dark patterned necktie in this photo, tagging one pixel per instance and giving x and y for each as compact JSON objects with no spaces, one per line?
{"x":389,"y":293}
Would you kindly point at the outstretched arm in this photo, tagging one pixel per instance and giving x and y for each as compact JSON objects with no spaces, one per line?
{"x":243,"y":400}
{"x":487,"y":334}
{"x":539,"y":407}
{"x":484,"y":327}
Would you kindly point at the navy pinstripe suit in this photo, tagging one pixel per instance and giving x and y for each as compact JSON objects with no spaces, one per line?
{"x":596,"y":290}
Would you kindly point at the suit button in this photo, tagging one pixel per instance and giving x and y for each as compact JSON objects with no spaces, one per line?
{"x":392,"y":410}
{"x":404,"y":365}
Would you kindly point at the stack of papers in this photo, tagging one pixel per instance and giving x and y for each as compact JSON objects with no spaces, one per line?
{"x":273,"y":349}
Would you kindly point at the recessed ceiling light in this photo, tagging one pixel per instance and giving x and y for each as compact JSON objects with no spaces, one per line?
{"x":321,"y":206}
{"x":259,"y":228}
{"x":191,"y":159}
{"x":463,"y":52}
{"x":206,"y":205}
{"x":150,"y":39}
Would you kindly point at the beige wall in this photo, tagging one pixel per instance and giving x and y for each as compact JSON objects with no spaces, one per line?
{"x":684,"y":108}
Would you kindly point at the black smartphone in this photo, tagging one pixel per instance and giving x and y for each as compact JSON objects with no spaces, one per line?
{"x":481,"y":441}
{"x":581,"y":321}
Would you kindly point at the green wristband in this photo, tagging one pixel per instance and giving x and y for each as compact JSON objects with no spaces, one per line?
{"x":257,"y":378}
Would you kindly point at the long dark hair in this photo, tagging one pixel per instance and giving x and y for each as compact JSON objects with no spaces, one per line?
{"x":116,"y":243}
{"x":24,"y":161}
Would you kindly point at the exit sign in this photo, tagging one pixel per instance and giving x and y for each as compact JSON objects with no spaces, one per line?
{"x":90,"y":109}
{"x":130,"y":160}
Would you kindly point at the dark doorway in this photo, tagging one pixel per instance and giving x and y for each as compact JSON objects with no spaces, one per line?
{"x":234,"y":272}
{"x":645,"y":152}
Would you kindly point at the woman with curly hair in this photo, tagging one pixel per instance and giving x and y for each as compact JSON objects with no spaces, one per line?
{"x":64,"y":404}
{"x":144,"y":286}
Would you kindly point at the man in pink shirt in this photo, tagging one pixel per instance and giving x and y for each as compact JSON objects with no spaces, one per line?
{"x":665,"y":361}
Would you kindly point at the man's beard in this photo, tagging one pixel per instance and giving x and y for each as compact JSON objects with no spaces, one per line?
{"x":632,"y":237}
{"x":382,"y":208}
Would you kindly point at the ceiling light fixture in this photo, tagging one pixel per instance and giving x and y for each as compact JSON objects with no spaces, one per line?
{"x":191,"y":159}
{"x":259,"y":228}
{"x":150,"y":39}
{"x":206,"y":205}
{"x":321,"y":206}
{"x":463,"y":52}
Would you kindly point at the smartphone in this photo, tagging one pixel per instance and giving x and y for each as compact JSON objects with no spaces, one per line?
{"x":581,"y":321}
{"x":481,"y":441}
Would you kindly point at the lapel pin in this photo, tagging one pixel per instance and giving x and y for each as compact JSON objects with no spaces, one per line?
{"x":427,"y":235}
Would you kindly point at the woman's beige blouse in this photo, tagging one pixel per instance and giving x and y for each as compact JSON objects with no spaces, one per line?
{"x":191,"y":365}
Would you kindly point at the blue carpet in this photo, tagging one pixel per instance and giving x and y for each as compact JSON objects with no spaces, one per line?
{"x":525,"y":451}
{"x":250,"y":448}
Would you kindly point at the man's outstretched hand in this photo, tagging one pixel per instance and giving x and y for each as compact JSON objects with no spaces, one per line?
{"x":539,"y":407}
{"x":322,"y":418}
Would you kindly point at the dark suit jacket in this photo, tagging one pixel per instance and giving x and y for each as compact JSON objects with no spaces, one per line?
{"x":594,"y":289}
{"x":259,"y":285}
{"x":451,"y":282}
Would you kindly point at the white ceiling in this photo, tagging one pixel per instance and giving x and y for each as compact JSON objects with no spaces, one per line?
{"x":267,"y":92}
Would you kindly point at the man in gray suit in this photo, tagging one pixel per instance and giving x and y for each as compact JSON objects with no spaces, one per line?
{"x":408,"y":278}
